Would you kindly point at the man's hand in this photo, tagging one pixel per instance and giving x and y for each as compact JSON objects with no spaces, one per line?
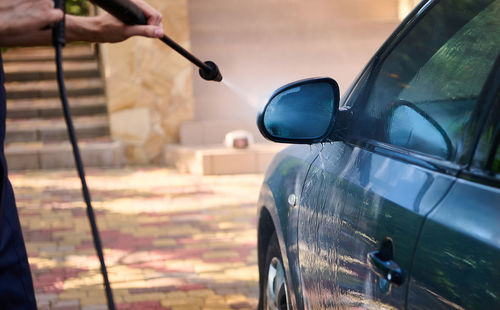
{"x":109,"y":29}
{"x":22,"y":22}
{"x":25,"y":16}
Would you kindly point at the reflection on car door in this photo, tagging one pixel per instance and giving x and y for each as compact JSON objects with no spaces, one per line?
{"x":353,"y":199}
{"x":404,"y":144}
{"x":457,"y":261}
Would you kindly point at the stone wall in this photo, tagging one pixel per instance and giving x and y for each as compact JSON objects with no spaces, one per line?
{"x":149,"y":87}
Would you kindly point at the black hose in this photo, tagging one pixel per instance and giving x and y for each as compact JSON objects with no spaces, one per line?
{"x":129,"y":13}
{"x":81,"y":174}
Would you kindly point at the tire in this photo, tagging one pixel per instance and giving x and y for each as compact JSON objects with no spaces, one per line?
{"x":275,"y":289}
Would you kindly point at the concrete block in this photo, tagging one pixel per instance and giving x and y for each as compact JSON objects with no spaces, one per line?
{"x":235,"y":162}
{"x":217,"y":159}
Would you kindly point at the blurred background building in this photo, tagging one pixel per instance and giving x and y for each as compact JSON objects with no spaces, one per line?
{"x":158,"y":110}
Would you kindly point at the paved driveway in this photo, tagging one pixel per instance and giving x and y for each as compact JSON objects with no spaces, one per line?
{"x":172,"y":241}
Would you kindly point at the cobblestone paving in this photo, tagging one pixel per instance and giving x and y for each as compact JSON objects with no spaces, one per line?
{"x":172,"y":241}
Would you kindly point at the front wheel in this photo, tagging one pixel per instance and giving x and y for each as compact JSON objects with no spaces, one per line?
{"x":275,"y":288}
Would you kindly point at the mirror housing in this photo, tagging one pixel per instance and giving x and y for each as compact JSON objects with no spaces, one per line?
{"x":301,"y":112}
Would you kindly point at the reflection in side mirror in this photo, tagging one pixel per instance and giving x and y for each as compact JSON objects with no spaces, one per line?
{"x":301,"y":112}
{"x":413,"y":129}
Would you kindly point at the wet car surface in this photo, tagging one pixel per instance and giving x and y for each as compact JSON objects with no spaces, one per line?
{"x":390,"y":198}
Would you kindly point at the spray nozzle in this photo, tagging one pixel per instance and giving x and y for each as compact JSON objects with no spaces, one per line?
{"x":129,"y":13}
{"x":210,"y":72}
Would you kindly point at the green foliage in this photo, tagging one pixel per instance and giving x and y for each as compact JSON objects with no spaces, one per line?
{"x":77,"y":7}
{"x":461,"y":66}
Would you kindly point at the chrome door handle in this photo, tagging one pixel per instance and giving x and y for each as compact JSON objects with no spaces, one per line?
{"x":386,"y":269}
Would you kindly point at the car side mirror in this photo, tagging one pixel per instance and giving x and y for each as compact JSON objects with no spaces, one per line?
{"x":302,"y":112}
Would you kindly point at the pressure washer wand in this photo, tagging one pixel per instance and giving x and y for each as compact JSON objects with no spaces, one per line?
{"x":131,"y":14}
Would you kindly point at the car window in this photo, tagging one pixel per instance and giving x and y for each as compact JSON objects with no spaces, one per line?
{"x":424,"y":92}
{"x":495,"y":165}
{"x":488,"y":158}
{"x":487,"y":154}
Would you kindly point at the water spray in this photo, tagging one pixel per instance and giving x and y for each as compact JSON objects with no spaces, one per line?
{"x":131,"y":14}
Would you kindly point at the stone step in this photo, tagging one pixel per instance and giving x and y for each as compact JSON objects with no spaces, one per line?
{"x":49,"y":88}
{"x":36,"y":135}
{"x":34,"y":156}
{"x":51,"y":107}
{"x":36,"y":54}
{"x":45,"y":130}
{"x":39,"y":70}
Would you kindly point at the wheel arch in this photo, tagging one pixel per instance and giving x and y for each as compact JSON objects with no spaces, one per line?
{"x":269,"y":222}
{"x":284,"y":177}
{"x":265,"y":230}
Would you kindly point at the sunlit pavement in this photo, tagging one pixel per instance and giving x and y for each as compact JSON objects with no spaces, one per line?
{"x":172,"y":241}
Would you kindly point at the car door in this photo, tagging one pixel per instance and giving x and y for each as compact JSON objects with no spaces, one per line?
{"x":457,"y":261}
{"x":400,"y":142}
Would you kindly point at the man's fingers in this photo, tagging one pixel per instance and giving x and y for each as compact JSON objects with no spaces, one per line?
{"x":55,"y":15}
{"x":51,"y":17}
{"x":155,"y":20}
{"x":154,"y":17}
{"x":46,"y":3}
{"x":145,"y":31}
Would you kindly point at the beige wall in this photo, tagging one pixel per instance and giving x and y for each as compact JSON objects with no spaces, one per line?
{"x":149,"y":87}
{"x":261,"y":45}
{"x":405,"y":7}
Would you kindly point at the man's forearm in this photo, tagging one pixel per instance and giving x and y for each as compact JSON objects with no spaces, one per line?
{"x":78,"y":28}
{"x":29,"y":39}
{"x":24,"y":29}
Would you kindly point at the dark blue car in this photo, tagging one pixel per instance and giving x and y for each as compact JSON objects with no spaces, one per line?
{"x":390,"y":198}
